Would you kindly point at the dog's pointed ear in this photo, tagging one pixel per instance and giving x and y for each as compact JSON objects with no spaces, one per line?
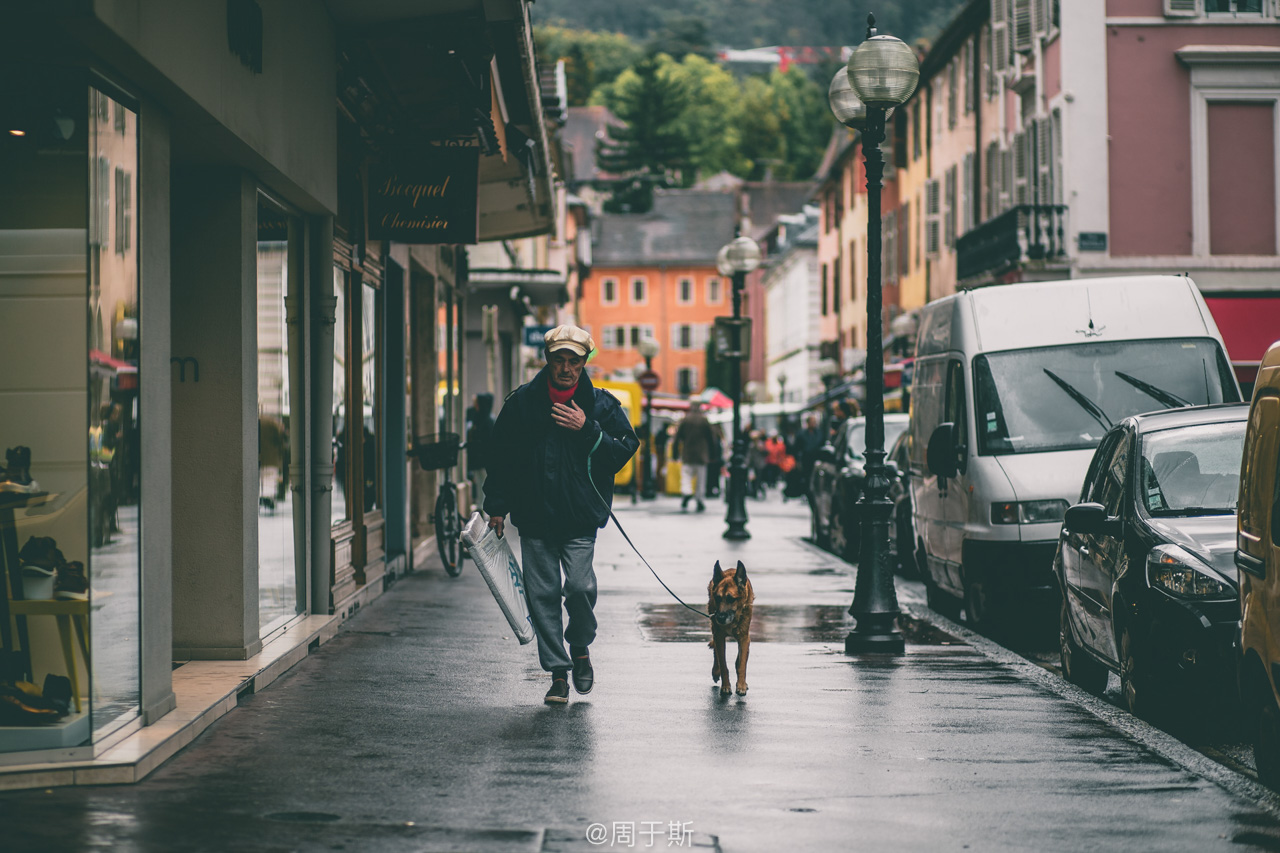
{"x":741,"y":574}
{"x":718,"y":574}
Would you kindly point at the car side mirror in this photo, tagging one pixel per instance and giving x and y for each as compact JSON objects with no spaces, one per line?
{"x":940,"y":456}
{"x":1087,"y":518}
{"x":826,"y":453}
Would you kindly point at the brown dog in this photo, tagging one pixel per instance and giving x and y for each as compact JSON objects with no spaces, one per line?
{"x":729,"y":600}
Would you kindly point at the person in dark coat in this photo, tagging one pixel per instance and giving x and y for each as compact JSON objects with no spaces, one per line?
{"x":693,"y":445}
{"x":479,"y":431}
{"x":556,"y":447}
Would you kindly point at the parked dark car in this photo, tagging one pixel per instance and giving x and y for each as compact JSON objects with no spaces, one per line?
{"x":838,"y":477}
{"x":901,"y":525}
{"x":1145,"y":560}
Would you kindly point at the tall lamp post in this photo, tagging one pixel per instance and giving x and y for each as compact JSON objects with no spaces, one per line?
{"x":882,"y":73}
{"x":736,"y":259}
{"x":649,"y":350}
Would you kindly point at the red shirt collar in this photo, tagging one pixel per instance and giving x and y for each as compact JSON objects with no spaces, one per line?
{"x":558,"y":396}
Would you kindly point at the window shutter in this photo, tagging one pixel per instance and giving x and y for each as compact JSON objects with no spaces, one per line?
{"x":932,"y":227}
{"x":1020,"y":168}
{"x":1044,"y":152}
{"x":1041,"y":17}
{"x":992,"y":193}
{"x":999,"y":39}
{"x":675,"y":336}
{"x":1181,"y":8}
{"x":966,"y":195}
{"x":1023,"y":36}
{"x":949,"y":209}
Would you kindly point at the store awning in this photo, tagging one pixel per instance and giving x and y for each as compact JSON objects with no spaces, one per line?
{"x":1249,"y":324}
{"x":543,"y":287}
{"x":463,"y":72}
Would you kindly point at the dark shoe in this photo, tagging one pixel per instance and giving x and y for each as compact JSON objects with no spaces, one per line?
{"x":41,"y":551}
{"x":701,"y":506}
{"x":583,"y":675}
{"x":559,"y":692}
{"x":18,"y":465}
{"x":72,"y":584}
{"x":684,"y":502}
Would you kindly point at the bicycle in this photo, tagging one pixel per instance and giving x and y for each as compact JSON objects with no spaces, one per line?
{"x":439,"y":452}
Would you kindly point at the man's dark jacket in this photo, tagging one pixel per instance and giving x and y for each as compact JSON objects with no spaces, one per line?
{"x":537,"y":471}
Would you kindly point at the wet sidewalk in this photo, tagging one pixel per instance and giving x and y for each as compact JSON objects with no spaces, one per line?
{"x":420,"y":727}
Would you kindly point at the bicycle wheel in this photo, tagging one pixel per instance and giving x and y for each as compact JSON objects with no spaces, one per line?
{"x":448,"y":528}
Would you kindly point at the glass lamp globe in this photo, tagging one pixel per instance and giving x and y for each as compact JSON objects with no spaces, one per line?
{"x":648,"y":348}
{"x":722,"y":261}
{"x":883,"y":71}
{"x":845,"y":103}
{"x":743,"y":255}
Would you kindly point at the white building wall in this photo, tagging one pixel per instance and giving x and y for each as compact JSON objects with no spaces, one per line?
{"x":1085,"y":155}
{"x":792,"y":297}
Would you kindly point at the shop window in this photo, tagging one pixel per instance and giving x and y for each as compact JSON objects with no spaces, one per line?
{"x":70,"y":427}
{"x":340,"y":512}
{"x":371,"y":394}
{"x":281,"y":515}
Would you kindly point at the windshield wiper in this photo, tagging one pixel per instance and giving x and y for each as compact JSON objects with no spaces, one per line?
{"x":1169,"y":399}
{"x":1085,"y":403}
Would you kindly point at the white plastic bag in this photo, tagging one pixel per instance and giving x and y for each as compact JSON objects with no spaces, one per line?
{"x":501,"y":571}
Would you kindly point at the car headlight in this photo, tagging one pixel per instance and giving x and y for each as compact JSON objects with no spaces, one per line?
{"x":1027,"y":512}
{"x":1177,"y":572}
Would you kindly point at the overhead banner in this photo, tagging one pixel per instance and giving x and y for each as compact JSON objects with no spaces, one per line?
{"x":430,"y":198}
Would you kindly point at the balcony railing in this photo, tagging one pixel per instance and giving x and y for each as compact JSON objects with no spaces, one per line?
{"x":1028,"y":232}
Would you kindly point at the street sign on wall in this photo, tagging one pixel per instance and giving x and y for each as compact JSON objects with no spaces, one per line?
{"x":430,"y":197}
{"x":536,"y":336}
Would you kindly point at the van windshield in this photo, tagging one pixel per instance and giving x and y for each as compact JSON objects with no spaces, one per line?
{"x":1066,"y":398}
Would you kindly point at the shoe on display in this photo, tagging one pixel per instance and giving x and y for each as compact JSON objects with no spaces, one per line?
{"x":41,"y":551}
{"x":72,"y":583}
{"x":15,"y":478}
{"x":22,"y":705}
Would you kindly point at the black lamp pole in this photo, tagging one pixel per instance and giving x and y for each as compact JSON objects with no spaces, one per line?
{"x":736,"y":515}
{"x":881,"y":74}
{"x":875,"y":599}
{"x":648,"y":491}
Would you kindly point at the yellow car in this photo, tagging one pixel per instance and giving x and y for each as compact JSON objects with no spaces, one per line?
{"x":1258,"y":559}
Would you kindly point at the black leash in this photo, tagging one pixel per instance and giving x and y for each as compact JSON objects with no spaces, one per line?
{"x":617,"y":524}
{"x":650,"y":568}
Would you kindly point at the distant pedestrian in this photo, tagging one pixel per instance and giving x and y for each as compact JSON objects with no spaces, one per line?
{"x":479,"y":433}
{"x":557,"y":445}
{"x":692,"y":445}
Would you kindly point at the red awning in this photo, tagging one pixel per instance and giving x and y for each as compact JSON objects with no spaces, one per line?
{"x":1249,"y":324}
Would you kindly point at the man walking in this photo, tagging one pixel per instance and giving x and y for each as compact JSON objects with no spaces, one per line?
{"x":692,"y":445}
{"x":556,"y":446}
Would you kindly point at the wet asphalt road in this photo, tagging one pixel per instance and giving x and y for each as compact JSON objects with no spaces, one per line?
{"x":420,"y":727}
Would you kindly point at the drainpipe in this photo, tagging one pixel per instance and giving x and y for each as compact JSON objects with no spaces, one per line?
{"x":324,"y":306}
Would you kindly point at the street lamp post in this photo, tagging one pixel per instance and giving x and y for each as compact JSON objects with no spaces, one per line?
{"x":881,"y":74}
{"x":736,"y":259}
{"x":649,"y":350}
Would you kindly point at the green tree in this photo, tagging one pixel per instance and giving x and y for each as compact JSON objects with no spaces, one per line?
{"x":579,"y":72}
{"x":710,"y":122}
{"x":650,"y":148}
{"x":762,"y":147}
{"x":806,"y":125}
{"x":606,"y":54}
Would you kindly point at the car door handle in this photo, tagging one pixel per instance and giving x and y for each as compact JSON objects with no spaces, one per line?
{"x":1084,"y":550}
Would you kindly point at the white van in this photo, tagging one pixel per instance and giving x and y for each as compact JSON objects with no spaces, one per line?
{"x":1014,"y":387}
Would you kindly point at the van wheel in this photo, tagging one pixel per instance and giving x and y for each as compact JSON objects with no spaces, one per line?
{"x":1266,"y":743}
{"x":1077,"y":667}
{"x":979,"y":608}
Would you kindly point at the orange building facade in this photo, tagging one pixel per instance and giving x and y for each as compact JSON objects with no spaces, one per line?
{"x":674,"y":305}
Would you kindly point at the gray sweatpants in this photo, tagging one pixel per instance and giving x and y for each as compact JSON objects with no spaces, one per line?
{"x":543,"y":560}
